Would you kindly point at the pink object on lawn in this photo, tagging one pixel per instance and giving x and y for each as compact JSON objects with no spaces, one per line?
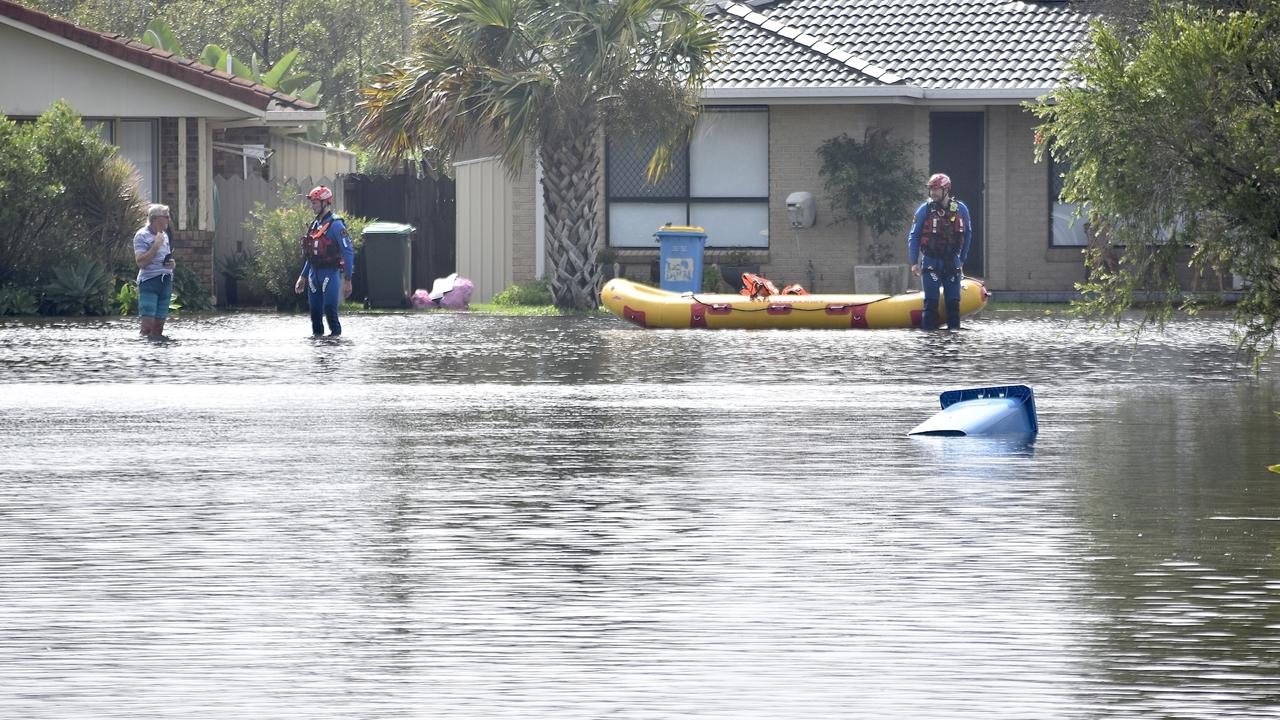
{"x":452,"y":292}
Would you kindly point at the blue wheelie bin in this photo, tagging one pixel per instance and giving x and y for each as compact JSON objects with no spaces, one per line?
{"x":680,"y":258}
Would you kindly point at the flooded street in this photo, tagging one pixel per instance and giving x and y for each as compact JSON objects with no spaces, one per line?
{"x":443,"y":515}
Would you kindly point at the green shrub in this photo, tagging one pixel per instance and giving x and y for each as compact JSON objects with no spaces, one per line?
{"x":68,"y":195}
{"x":189,"y":292}
{"x":15,"y":300}
{"x":99,"y":206}
{"x":710,"y":278}
{"x":127,"y":298}
{"x":28,"y":217}
{"x":278,"y":256}
{"x":80,"y":288}
{"x":534,"y":292}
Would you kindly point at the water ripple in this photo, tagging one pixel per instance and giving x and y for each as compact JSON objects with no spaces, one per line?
{"x":452,"y":516}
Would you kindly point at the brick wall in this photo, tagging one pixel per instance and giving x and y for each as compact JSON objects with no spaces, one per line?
{"x":1020,"y":258}
{"x":194,"y":249}
{"x":228,"y":164}
{"x":193,"y":173}
{"x":169,"y":165}
{"x":524,"y":223}
{"x":822,"y":257}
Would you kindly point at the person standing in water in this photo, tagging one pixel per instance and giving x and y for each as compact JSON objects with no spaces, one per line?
{"x":329,"y":263}
{"x":153,"y":254}
{"x":937,"y":247}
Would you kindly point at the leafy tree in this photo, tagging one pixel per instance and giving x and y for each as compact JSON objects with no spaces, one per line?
{"x":549,"y":74}
{"x":1170,"y":134}
{"x":872,"y":181}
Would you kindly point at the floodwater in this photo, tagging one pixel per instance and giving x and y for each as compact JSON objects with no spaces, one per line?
{"x":453,"y":516}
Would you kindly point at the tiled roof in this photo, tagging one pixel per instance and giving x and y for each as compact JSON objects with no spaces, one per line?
{"x":969,"y":45}
{"x":139,"y":53}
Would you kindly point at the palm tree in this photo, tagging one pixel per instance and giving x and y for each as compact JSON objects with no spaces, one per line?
{"x":554,"y":73}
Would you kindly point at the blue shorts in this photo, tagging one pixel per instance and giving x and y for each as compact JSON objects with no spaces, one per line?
{"x":154,"y":295}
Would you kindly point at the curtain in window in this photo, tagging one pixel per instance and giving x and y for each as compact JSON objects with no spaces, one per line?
{"x":137,"y":143}
{"x":720,"y":181}
{"x":1067,"y":229}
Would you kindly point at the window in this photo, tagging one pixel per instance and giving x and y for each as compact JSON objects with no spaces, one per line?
{"x":137,"y":143}
{"x":720,"y":181}
{"x":136,"y":140}
{"x":1066,"y":228}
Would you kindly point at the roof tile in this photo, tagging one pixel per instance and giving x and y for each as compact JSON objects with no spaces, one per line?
{"x":976,"y":44}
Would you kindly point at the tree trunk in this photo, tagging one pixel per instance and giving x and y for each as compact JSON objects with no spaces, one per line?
{"x":406,"y":28}
{"x":570,"y":173}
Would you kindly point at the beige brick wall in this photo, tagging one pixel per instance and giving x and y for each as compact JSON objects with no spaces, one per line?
{"x":1019,"y":256}
{"x":524,"y":222}
{"x":822,"y":257}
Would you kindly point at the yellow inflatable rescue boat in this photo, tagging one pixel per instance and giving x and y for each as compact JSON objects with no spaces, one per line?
{"x":653,"y":308}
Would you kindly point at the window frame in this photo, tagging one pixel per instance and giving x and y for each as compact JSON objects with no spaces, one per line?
{"x":1054,"y":202}
{"x":688,"y":200}
{"x":152,"y":194}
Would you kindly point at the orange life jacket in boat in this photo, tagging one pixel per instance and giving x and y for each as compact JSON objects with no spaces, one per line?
{"x":756,"y":286}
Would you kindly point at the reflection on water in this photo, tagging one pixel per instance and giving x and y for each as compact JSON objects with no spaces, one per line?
{"x":453,"y":516}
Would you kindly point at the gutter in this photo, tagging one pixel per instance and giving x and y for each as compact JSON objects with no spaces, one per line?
{"x":903,"y":94}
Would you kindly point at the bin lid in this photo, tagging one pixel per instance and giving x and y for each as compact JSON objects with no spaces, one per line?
{"x":388,"y":228}
{"x":680,"y":231}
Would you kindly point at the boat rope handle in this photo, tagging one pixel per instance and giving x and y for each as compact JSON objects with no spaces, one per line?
{"x":825,"y":308}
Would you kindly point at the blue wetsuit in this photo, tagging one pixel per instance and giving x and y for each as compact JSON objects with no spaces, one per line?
{"x":324,"y":279}
{"x":940,"y":271}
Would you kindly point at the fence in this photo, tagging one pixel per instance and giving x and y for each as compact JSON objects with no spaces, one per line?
{"x":234,"y":198}
{"x":421,"y":201}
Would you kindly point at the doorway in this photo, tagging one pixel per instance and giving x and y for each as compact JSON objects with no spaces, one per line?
{"x":956,"y":148}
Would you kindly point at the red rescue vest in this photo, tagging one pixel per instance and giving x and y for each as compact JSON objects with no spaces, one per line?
{"x":319,"y":249}
{"x":942,"y":235}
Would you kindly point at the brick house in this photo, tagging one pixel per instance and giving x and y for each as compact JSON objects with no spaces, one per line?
{"x":179,"y":122}
{"x":949,"y":75}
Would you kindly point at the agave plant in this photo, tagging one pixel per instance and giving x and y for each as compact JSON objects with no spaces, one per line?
{"x":16,"y":301}
{"x":188,"y":290}
{"x":80,"y":288}
{"x":110,"y":207}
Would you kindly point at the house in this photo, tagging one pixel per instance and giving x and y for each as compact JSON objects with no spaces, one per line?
{"x":182,"y":124}
{"x":949,"y":75}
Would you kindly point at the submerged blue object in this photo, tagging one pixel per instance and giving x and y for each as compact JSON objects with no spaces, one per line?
{"x":996,"y":410}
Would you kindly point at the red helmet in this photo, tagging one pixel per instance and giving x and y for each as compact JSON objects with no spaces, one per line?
{"x":939,"y":181}
{"x":324,"y":194}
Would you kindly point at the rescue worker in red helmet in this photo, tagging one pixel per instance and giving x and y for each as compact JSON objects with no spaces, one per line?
{"x":330,"y":260}
{"x":937,"y":247}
